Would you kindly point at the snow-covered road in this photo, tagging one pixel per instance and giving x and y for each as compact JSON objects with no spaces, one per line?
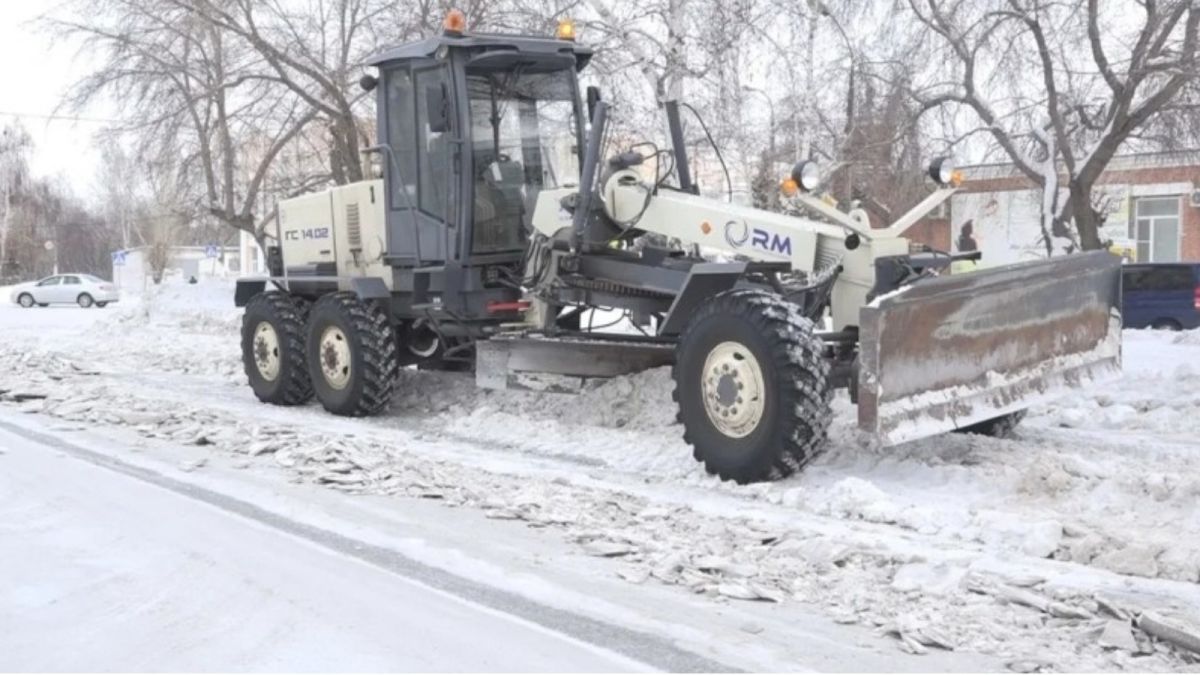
{"x":107,"y":570}
{"x":954,"y":553}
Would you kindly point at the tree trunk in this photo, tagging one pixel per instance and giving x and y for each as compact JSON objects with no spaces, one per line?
{"x":1087,"y":221}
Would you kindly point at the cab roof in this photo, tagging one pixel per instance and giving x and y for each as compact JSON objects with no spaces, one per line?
{"x":485,"y":42}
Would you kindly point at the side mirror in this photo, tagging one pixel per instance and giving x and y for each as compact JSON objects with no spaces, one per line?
{"x":593,"y":97}
{"x":437,"y":108}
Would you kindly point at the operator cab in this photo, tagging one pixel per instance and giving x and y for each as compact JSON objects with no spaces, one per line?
{"x":474,"y":126}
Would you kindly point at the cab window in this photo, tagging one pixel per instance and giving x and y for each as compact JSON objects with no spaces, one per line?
{"x":523,"y":131}
{"x":402,"y":137}
{"x":434,"y":157}
{"x":52,"y":281}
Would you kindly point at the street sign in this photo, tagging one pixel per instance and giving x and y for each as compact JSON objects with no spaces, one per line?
{"x":118,"y":257}
{"x":212,"y":251}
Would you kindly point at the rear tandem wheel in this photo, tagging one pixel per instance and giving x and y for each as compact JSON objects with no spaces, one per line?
{"x":352,"y":353}
{"x":273,"y":348}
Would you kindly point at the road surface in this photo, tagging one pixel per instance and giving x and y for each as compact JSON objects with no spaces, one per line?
{"x":104,"y":570}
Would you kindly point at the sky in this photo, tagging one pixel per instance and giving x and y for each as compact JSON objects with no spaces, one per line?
{"x":33,"y":78}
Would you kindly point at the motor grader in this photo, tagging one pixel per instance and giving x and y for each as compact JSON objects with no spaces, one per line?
{"x":505,"y":221}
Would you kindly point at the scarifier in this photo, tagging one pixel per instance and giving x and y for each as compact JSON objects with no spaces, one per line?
{"x":500,"y":228}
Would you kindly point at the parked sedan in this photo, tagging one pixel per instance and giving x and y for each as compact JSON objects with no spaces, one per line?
{"x":84,"y":290}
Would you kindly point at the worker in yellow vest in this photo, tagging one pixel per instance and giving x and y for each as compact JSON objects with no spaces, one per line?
{"x":966,"y":244}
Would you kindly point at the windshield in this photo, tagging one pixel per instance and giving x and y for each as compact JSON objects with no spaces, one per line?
{"x":523,"y":132}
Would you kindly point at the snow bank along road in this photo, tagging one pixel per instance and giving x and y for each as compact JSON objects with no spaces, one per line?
{"x":951,"y":553}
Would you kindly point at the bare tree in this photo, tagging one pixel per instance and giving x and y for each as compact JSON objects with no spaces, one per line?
{"x":188,"y":90}
{"x":1060,"y":86}
{"x":14,"y":173}
{"x":316,"y":53}
{"x":118,"y":178}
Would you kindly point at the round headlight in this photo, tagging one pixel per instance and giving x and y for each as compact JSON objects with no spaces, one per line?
{"x":941,"y":170}
{"x":807,"y":175}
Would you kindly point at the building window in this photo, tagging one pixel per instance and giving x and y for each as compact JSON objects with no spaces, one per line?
{"x":1155,"y":228}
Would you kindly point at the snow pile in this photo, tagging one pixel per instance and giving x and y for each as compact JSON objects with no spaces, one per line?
{"x":198,"y":308}
{"x":1190,"y":337}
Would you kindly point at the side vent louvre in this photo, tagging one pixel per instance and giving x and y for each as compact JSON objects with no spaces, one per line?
{"x":353,"y":230}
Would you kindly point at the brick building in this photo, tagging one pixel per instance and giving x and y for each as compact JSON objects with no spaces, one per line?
{"x":1151,"y":202}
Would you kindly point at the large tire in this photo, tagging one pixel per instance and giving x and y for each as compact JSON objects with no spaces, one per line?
{"x":740,"y":342}
{"x":273,"y":348}
{"x":25,"y":300}
{"x":352,"y":352}
{"x":85,"y":300}
{"x":997,"y":427}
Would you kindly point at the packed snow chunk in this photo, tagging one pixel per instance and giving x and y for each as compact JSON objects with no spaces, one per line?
{"x":1181,"y":562}
{"x":857,"y":498}
{"x":928,"y":578}
{"x":1006,"y":531}
{"x":1136,"y":559}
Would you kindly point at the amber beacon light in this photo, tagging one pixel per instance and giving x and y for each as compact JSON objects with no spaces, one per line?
{"x":565,"y":30}
{"x":455,"y":22}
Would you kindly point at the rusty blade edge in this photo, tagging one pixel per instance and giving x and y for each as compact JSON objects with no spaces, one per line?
{"x":919,"y":417}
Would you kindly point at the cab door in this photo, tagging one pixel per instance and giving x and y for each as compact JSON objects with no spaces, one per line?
{"x":419,"y":172}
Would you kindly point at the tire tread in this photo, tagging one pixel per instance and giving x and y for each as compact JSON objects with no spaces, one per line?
{"x":380,"y":350}
{"x":797,"y":354}
{"x":291,"y":315}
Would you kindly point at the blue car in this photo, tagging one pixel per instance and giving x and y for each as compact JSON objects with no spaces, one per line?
{"x":1164,"y":296}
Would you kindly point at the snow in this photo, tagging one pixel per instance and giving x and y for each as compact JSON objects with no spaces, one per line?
{"x":89,"y":561}
{"x":1097,"y":493}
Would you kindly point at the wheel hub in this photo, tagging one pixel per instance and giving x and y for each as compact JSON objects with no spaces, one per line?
{"x":733,"y":389}
{"x":266,"y":351}
{"x":335,"y":357}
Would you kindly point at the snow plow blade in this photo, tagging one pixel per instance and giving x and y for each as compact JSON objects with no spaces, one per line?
{"x":960,"y":349}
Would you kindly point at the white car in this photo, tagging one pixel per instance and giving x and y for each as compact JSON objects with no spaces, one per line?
{"x":84,"y":290}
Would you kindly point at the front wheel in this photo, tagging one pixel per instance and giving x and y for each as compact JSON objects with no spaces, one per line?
{"x":273,"y":348}
{"x":752,"y":386}
{"x":352,"y":354}
{"x":85,"y":301}
{"x":26,"y":300}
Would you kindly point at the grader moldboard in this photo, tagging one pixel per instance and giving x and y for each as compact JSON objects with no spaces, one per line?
{"x":499,"y":224}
